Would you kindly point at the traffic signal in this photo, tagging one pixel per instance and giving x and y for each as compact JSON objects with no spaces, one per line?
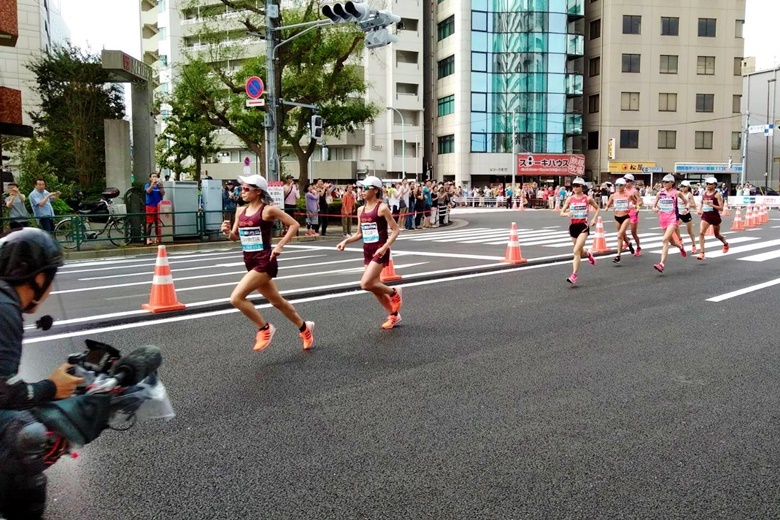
{"x":316,"y":127}
{"x":373,"y":23}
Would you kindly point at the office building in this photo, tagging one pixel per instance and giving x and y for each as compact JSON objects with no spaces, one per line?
{"x":663,"y":88}
{"x":761,"y":118}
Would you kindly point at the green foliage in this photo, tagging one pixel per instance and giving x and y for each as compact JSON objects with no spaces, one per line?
{"x":316,"y":68}
{"x":30,"y":169}
{"x":76,"y":96}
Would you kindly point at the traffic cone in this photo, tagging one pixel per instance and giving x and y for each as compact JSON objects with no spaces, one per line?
{"x":726,"y":212}
{"x":737,"y":224}
{"x":710,"y":232}
{"x":522,"y":203}
{"x":748,"y":217}
{"x":514,"y":205}
{"x":753,"y":216}
{"x":163,"y":297}
{"x":764,"y":214}
{"x":388,"y":274}
{"x":513,"y":254}
{"x":599,"y":244}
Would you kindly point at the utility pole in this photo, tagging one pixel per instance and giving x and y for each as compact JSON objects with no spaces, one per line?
{"x":513,"y":159}
{"x":403,"y":142}
{"x":271,"y":128}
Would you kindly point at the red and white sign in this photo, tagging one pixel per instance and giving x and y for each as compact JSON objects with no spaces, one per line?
{"x":550,"y":164}
{"x":254,"y":87}
{"x":276,"y":191}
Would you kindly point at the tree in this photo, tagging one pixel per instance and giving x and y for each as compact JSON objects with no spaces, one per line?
{"x":317,"y":68}
{"x":76,"y":96}
{"x":187,"y":134}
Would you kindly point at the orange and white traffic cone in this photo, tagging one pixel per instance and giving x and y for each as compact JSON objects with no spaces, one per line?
{"x":522,"y":204}
{"x":514,"y":205}
{"x":388,"y":274}
{"x":513,"y":254}
{"x":754,"y":217}
{"x":764,"y":214}
{"x":737,"y":224}
{"x":748,"y":217}
{"x":163,"y":297}
{"x":726,"y":212}
{"x":710,"y":231}
{"x":599,"y":239}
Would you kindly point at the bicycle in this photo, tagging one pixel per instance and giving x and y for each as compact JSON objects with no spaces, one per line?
{"x":66,"y":231}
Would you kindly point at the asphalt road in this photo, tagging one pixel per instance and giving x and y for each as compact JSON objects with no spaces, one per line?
{"x":507,"y":395}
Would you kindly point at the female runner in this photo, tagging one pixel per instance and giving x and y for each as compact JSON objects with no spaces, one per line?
{"x":253,"y":226}
{"x":620,"y":200}
{"x":666,"y":206}
{"x":576,"y":207}
{"x":684,"y":213}
{"x":374,"y":218}
{"x":711,"y":205}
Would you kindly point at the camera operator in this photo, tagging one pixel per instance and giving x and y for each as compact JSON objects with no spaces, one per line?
{"x":29,"y":259}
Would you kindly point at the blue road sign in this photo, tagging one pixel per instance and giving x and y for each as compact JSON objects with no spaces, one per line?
{"x":254,"y":87}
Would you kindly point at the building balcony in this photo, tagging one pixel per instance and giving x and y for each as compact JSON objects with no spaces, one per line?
{"x":574,"y":84}
{"x":575,"y":8}
{"x":573,"y":124}
{"x":575,"y":45}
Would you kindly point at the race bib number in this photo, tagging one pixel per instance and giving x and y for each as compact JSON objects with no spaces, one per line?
{"x":621,"y":205}
{"x":251,"y":238}
{"x":666,"y":205}
{"x":707,"y":206}
{"x":579,"y":211}
{"x":370,"y":232}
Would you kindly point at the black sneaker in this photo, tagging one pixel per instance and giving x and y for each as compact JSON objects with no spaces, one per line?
{"x":631,"y":247}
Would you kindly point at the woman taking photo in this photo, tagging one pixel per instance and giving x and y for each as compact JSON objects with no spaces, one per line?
{"x":253,"y":227}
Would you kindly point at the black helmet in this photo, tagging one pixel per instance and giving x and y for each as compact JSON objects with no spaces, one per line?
{"x":27,"y":252}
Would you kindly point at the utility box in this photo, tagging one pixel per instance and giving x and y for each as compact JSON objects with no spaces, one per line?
{"x":166,"y":219}
{"x":183,"y":196}
{"x":211,"y":197}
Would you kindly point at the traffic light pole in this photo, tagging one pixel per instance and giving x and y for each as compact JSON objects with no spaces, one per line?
{"x":271,"y":130}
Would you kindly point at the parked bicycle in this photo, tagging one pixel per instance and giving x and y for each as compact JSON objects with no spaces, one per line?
{"x":70,"y":230}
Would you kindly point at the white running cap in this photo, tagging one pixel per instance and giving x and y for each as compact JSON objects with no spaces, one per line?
{"x":710,"y":180}
{"x":578,"y":180}
{"x":254,"y":180}
{"x":629,"y":177}
{"x":620,"y":182}
{"x":668,"y":178}
{"x":685,"y":183}
{"x":371,"y":182}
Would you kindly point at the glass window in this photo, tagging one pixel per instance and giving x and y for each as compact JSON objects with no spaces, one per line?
{"x":670,"y":26}
{"x":668,"y":64}
{"x":594,"y":67}
{"x":705,"y":65}
{"x":667,"y":139}
{"x":479,"y":82}
{"x":667,"y":102}
{"x":707,"y":27}
{"x":593,"y":104}
{"x":446,"y":106}
{"x":446,"y":66}
{"x":736,"y":140}
{"x":479,"y":102}
{"x":593,"y":140}
{"x":556,"y":43}
{"x":736,"y":104}
{"x":705,"y":102}
{"x":629,"y":101}
{"x":479,"y":21}
{"x":446,"y":144}
{"x":556,"y":84}
{"x":479,"y":61}
{"x":479,"y":41}
{"x":595,"y":29}
{"x":632,"y":24}
{"x":163,"y":34}
{"x":446,"y":27}
{"x":478,"y":143}
{"x":631,"y":62}
{"x":556,"y":62}
{"x":739,"y":27}
{"x":556,"y":103}
{"x":629,"y":138}
{"x":737,"y":66}
{"x":704,"y":140}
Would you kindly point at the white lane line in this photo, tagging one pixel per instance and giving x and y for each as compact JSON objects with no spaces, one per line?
{"x":746,"y":290}
{"x":191,"y":317}
{"x":708,"y":243}
{"x":421,"y":253}
{"x":458,"y":238}
{"x":139,"y":258}
{"x":210,"y":266}
{"x":745,"y":249}
{"x":610,"y":237}
{"x":405,"y":236}
{"x":762,"y":257}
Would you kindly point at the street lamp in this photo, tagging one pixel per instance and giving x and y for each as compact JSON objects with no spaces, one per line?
{"x":766,"y":161}
{"x":403,"y":141}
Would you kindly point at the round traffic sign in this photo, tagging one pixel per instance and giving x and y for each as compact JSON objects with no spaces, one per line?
{"x":247,"y":162}
{"x":254,"y":87}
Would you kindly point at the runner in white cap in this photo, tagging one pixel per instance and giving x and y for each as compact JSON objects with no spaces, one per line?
{"x":634,"y":203}
{"x":711,"y":206}
{"x":373,"y":220}
{"x":253,"y":226}
{"x":620,"y":200}
{"x":684,"y":213}
{"x":666,"y":206}
{"x":576,"y":207}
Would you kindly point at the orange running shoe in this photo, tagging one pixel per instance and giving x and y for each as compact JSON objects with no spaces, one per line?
{"x":264,"y":338}
{"x":308,"y":335}
{"x":396,"y":300}
{"x":392,"y":321}
{"x":725,"y":248}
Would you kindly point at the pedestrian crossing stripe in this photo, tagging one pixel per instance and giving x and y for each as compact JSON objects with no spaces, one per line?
{"x":555,"y":237}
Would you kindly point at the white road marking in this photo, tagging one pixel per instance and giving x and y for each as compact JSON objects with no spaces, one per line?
{"x":744,"y":249}
{"x":762,"y":257}
{"x":746,"y":290}
{"x":161,"y":321}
